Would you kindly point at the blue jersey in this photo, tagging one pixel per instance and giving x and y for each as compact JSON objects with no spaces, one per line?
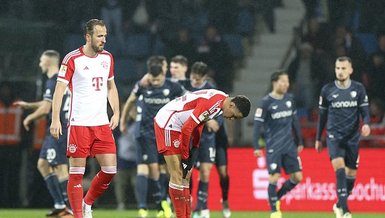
{"x":48,"y":96}
{"x":151,"y":100}
{"x":341,"y":108}
{"x":278,"y":117}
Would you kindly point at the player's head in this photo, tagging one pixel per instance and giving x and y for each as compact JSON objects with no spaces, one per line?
{"x":178,"y":67}
{"x":236,"y":107}
{"x":280,"y":82}
{"x":343,"y":68}
{"x":198,"y":74}
{"x":95,"y":32}
{"x":49,"y":58}
{"x":156,"y":75}
{"x":157,"y":59}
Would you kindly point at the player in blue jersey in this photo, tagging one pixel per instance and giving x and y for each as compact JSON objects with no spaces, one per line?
{"x":276,"y":112}
{"x":341,"y":104}
{"x":154,"y":96}
{"x":52,"y":163}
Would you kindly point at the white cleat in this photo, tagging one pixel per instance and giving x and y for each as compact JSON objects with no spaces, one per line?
{"x":337,"y":211}
{"x":347,"y":215}
{"x":205,"y":213}
{"x":87,"y":212}
{"x":226,"y":210}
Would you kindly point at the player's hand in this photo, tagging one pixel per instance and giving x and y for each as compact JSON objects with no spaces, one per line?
{"x":258,"y":153}
{"x":123,"y":127}
{"x":365,"y":130}
{"x":300,"y":148}
{"x":26,"y":123}
{"x":55,"y":129}
{"x":189,"y":163}
{"x":212,"y":126}
{"x":318,"y":146}
{"x":21,"y":104}
{"x":114,"y":122}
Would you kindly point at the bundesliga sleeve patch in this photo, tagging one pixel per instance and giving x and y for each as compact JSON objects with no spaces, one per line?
{"x":63,"y":70}
{"x":204,"y":116}
{"x":320,"y":100}
{"x":258,"y":112}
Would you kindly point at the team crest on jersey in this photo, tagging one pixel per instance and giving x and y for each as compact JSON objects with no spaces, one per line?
{"x":288,"y":104}
{"x":353,"y":94}
{"x":104,"y":64}
{"x":273,"y":166}
{"x":258,"y":112}
{"x":176,"y":143}
{"x":166,"y":92}
{"x":204,"y":116}
{"x":48,"y":91}
{"x":63,"y":70}
{"x":72,"y":148}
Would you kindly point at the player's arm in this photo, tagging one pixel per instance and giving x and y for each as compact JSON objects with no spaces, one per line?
{"x":297,"y":131}
{"x":259,"y":119}
{"x":29,"y":105}
{"x":364,"y":111}
{"x":130,"y":102}
{"x":113,"y":99}
{"x":322,"y":119}
{"x":55,"y":128}
{"x":42,"y":110}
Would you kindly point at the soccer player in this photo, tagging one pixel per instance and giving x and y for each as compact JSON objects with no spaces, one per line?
{"x":180,"y":122}
{"x":276,"y":112}
{"x":89,"y":73}
{"x":52,"y":163}
{"x":341,"y":104}
{"x":159,"y":92}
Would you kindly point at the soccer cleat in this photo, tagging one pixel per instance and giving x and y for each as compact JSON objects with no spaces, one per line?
{"x":87,"y":212}
{"x":337,"y":211}
{"x":160,"y":214}
{"x":347,"y":215}
{"x":142,"y":213}
{"x":225,"y":209}
{"x":278,"y":206}
{"x":205,"y":213}
{"x":196,"y":214}
{"x":166,"y":209}
{"x":276,"y":214}
{"x":56,"y":212}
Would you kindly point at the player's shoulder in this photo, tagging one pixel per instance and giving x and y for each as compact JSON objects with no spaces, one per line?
{"x":328,"y":86}
{"x":72,"y":55}
{"x":289,"y":96}
{"x":105,"y":52}
{"x":357,"y":84}
{"x":265,"y":101}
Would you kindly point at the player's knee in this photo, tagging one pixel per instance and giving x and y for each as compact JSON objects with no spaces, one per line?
{"x":43,"y":167}
{"x":111,"y":170}
{"x":297,"y":177}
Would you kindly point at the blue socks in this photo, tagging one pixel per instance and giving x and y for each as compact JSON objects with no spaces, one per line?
{"x":342,"y":192}
{"x":202,"y":195}
{"x":55,"y":190}
{"x":141,"y":189}
{"x":273,"y":197}
{"x":286,"y":187}
{"x":225,"y":187}
{"x":156,"y":192}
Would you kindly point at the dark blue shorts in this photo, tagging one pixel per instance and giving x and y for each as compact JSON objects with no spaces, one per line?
{"x":207,"y":148}
{"x":347,"y":149}
{"x":221,"y":147}
{"x":288,"y":160}
{"x":54,"y":151}
{"x":147,"y":153}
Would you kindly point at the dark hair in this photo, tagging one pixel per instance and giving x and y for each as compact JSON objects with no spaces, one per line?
{"x":275,"y":76}
{"x":243,"y":104}
{"x":155,"y":60}
{"x":199,"y":68}
{"x":89,"y":27}
{"x":155,"y":70}
{"x":180,"y":59}
{"x":52,"y":54}
{"x":344,"y":58}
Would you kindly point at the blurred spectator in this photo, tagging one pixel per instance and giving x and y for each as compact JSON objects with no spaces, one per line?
{"x":183,"y":45}
{"x":376,"y":76}
{"x":111,"y":14}
{"x":213,"y":51}
{"x":377,"y":111}
{"x":10,"y":149}
{"x":124,"y":180}
{"x":372,"y":16}
{"x":317,"y":34}
{"x":266,"y":8}
{"x":223,"y":10}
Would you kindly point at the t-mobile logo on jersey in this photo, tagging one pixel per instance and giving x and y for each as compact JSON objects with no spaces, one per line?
{"x":97,"y":82}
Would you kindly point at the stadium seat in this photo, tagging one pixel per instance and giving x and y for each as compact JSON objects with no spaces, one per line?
{"x":234,"y":42}
{"x":245,"y":22}
{"x":72,"y":42}
{"x":369,"y":42}
{"x":137,"y":45}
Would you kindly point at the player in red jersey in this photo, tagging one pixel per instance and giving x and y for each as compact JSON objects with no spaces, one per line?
{"x":89,"y":74}
{"x":180,"y":122}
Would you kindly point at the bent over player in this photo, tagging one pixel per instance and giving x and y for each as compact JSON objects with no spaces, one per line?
{"x":179,"y":124}
{"x":276,"y":112}
{"x":89,"y":73}
{"x":341,"y":104}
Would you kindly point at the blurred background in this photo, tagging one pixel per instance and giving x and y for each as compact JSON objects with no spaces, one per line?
{"x":242,"y":41}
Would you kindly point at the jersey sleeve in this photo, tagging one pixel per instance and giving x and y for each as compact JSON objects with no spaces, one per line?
{"x":296,"y":126}
{"x":112,"y":68}
{"x":259,"y":118}
{"x":67,"y":70}
{"x":49,"y":90}
{"x":323,"y":102}
{"x":138,"y":89}
{"x":322,"y":117}
{"x":363,"y":103}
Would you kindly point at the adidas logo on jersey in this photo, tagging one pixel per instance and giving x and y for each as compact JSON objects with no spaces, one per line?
{"x":184,"y":165}
{"x":86,"y":68}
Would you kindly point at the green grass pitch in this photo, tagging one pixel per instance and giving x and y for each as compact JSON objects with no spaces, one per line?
{"x":103,"y":213}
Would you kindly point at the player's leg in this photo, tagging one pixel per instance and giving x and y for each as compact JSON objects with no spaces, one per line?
{"x":61,"y":171}
{"x":291,"y":162}
{"x":163,"y":181}
{"x":141,"y":180}
{"x":77,"y":168}
{"x":274,"y":168}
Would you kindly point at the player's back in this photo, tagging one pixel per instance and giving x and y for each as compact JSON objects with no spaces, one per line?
{"x":342,"y":104}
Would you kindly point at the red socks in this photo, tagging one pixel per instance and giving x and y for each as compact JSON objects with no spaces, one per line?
{"x":75,"y":193}
{"x":98,"y":186}
{"x":187,"y":196}
{"x":178,"y":199}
